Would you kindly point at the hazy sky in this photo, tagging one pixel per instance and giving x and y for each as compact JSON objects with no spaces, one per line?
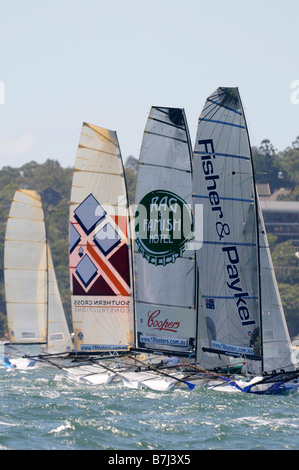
{"x":107,"y":62}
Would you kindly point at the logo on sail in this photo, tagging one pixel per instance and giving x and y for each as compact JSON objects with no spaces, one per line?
{"x":98,"y":250}
{"x":163,"y":227}
{"x":154,"y":321}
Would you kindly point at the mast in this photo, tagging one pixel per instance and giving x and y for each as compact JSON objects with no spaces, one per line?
{"x":47,"y":273}
{"x":258,"y":240}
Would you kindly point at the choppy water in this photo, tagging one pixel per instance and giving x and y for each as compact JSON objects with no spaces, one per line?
{"x":41,"y":409}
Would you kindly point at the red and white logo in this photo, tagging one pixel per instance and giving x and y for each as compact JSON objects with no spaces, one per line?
{"x":156,"y":323}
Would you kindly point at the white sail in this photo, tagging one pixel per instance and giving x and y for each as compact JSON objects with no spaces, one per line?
{"x":228,"y":260}
{"x":243,"y":309}
{"x":58,"y":335}
{"x":25,"y":269}
{"x":164,"y":264}
{"x":277,"y":348}
{"x":100,"y":249}
{"x":34,"y":310}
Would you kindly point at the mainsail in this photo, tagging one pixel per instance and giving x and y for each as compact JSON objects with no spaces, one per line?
{"x":242,"y":307}
{"x":25,"y":269}
{"x":228,"y":261}
{"x":100,"y":246}
{"x":34,"y":309}
{"x":164,"y":260}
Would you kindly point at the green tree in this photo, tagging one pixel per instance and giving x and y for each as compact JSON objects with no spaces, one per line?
{"x":290,"y":165}
{"x":290,"y":301}
{"x":40,"y":177}
{"x":131,"y":176}
{"x":286,"y":263}
{"x":267,"y":165}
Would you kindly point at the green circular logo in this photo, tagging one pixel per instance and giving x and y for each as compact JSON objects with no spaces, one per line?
{"x":163,"y":226}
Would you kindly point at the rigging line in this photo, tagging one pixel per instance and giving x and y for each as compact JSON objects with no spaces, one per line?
{"x":25,"y":191}
{"x":77,"y":170}
{"x":205,"y":296}
{"x":165,"y":305}
{"x":164,"y":110}
{"x":27,"y":303}
{"x":216,"y":107}
{"x":25,"y":203}
{"x":155,"y":369}
{"x":216,"y":121}
{"x":182,"y":128}
{"x":41,"y":242}
{"x":208,"y":110}
{"x":93,"y":128}
{"x":163,"y":166}
{"x":13,"y":217}
{"x":41,"y":270}
{"x":80,"y":146}
{"x":219,"y":154}
{"x":214,"y":242}
{"x":226,"y":107}
{"x":165,"y":136}
{"x":123,"y":377}
{"x":222,"y":198}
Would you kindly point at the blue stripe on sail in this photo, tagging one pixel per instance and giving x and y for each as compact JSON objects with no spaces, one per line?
{"x":222,"y":122}
{"x":225,"y":198}
{"x":227,"y":297}
{"x":241,"y":157}
{"x":228,"y":243}
{"x":226,"y":107}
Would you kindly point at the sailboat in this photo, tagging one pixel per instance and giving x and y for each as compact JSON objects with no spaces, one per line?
{"x":100,"y":252}
{"x":164,"y":252}
{"x":164,"y":264}
{"x":240,"y":297}
{"x":101,"y":267}
{"x":34,"y":309}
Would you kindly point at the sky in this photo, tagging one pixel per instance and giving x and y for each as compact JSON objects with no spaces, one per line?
{"x":106,"y":62}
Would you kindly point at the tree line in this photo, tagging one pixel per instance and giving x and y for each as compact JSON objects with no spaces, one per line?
{"x":276,"y":168}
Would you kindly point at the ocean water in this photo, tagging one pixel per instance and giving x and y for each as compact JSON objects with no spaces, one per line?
{"x":42,"y":410}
